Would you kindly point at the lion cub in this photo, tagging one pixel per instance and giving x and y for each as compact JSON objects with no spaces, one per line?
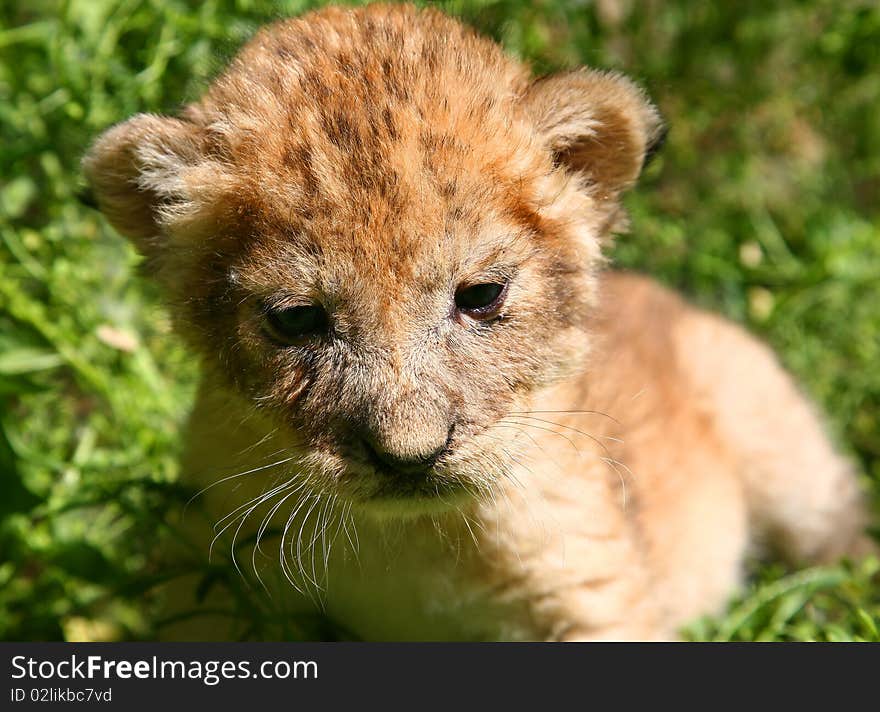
{"x":422,"y":397}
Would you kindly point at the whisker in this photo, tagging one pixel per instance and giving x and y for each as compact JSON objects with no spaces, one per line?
{"x":332,"y":540}
{"x":245,"y":509}
{"x":549,"y":430}
{"x":263,"y":525}
{"x":259,"y":442}
{"x":501,"y":424}
{"x":614,"y":464}
{"x":346,"y":510}
{"x":609,"y":459}
{"x":233,"y":515}
{"x":567,"y":412}
{"x":357,"y":541}
{"x":467,"y":523}
{"x":232,"y":477}
{"x":299,"y":551}
{"x":518,"y":428}
{"x":241,"y":522}
{"x":286,"y":568}
{"x":568,"y":427}
{"x":320,"y":523}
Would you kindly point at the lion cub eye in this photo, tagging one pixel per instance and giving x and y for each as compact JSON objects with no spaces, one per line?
{"x":294,"y":324}
{"x":480,"y":301}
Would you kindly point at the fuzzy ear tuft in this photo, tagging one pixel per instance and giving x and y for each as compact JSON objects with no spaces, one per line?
{"x":141,"y":175}
{"x":596,"y":123}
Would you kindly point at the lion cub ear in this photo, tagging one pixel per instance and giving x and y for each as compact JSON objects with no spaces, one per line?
{"x":598,"y":124}
{"x":152,"y":179}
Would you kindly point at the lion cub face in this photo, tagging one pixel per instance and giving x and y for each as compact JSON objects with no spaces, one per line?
{"x":379,"y":229}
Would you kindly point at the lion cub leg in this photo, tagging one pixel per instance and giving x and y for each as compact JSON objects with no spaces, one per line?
{"x":804,"y":499}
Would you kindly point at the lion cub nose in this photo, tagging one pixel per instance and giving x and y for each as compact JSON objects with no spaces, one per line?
{"x":409,"y":463}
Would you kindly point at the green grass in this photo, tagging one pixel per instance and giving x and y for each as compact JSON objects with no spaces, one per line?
{"x":765,"y":205}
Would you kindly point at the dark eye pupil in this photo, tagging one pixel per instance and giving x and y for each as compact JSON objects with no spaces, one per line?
{"x":479,"y":298}
{"x":296,"y":322}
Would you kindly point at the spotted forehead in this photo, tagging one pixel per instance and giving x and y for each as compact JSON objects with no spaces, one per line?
{"x":340,"y":83}
{"x":380,"y":147}
{"x":380,"y":170}
{"x":400,"y":204}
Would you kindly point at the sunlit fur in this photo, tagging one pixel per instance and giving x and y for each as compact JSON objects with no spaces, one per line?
{"x":610,"y":451}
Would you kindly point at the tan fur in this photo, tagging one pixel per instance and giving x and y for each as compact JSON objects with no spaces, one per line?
{"x":610,"y":452}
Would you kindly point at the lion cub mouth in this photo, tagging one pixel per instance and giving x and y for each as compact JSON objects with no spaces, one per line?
{"x":397,"y":487}
{"x":420,"y":488}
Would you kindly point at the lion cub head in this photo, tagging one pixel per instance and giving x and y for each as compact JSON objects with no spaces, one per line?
{"x":381,"y":230}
